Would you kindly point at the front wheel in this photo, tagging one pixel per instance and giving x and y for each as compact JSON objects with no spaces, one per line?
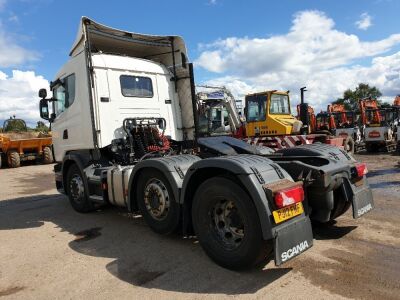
{"x":227,"y":225}
{"x":77,"y":193}
{"x":47,"y":155}
{"x":14,"y":160}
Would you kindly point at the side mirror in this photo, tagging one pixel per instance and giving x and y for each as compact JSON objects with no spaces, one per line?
{"x":42,"y":93}
{"x":44,"y":109}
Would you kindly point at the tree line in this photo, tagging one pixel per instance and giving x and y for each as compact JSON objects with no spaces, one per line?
{"x":363,"y":90}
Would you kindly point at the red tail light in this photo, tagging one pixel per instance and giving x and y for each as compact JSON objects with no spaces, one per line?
{"x":361,"y":169}
{"x":289,"y":196}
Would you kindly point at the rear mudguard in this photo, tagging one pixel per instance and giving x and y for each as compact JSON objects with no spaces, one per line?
{"x":252,"y":172}
{"x":289,"y":238}
{"x":329,"y":173}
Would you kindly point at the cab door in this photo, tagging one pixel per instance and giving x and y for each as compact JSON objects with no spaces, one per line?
{"x":256,"y":115}
{"x":64,"y":95}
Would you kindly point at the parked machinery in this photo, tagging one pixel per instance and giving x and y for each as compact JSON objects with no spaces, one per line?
{"x":347,"y":125}
{"x":269,"y":122}
{"x":217,"y":111}
{"x":396,"y":123}
{"x":379,"y":125}
{"x":17,"y":144}
{"x":326,"y":124}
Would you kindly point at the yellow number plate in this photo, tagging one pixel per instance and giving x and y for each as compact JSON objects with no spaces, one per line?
{"x":288,"y":212}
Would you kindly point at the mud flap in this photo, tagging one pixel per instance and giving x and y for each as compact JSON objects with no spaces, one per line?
{"x":360,"y":195}
{"x":363,"y":201}
{"x":292,"y":239}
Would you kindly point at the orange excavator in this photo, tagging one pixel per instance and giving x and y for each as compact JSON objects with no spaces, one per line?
{"x":347,"y":125}
{"x":324,"y":123}
{"x":379,"y":125}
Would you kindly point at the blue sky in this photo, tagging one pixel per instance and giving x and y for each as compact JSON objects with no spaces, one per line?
{"x":35,"y":38}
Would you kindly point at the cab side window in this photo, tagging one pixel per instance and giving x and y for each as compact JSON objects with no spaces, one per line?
{"x":64,"y":93}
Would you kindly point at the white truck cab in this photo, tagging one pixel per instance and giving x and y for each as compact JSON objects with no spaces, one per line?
{"x":124,"y":75}
{"x":123,"y":86}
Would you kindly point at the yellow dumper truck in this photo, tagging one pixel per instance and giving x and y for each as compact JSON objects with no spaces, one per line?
{"x":18,"y":144}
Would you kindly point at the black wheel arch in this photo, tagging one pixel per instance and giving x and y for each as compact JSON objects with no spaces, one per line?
{"x":173,"y":168}
{"x":241,"y":174}
{"x":82,"y":160}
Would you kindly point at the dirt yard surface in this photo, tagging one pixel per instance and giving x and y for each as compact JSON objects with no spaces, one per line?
{"x":49,"y":251}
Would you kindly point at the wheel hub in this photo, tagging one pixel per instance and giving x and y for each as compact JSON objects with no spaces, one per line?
{"x":228,"y":223}
{"x":156,"y":199}
{"x":77,"y":188}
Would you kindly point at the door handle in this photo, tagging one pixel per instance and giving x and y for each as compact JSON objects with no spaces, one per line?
{"x":65,"y":134}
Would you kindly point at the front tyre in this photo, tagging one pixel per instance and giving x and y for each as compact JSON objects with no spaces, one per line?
{"x":47,"y":155}
{"x":227,"y":225}
{"x":156,"y":202}
{"x":77,"y":193}
{"x":14,"y":160}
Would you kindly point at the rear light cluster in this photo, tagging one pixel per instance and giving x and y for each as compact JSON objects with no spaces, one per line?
{"x":361,"y":169}
{"x":289,"y":196}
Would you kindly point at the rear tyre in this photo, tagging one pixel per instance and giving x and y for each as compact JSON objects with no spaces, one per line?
{"x":77,"y":193}
{"x":227,"y":225}
{"x":348,"y":145}
{"x":156,"y":202}
{"x":14,"y":160}
{"x":47,"y":155}
{"x":340,"y":205}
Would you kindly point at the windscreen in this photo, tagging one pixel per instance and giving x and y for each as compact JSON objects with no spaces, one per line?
{"x":279,"y":104}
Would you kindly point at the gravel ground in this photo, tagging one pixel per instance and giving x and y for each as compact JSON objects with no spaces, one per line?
{"x":48,"y":251}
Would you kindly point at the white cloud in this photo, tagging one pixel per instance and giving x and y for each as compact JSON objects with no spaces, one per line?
{"x":12,"y":54}
{"x":365,"y":21}
{"x":312,"y":53}
{"x":19,"y":95}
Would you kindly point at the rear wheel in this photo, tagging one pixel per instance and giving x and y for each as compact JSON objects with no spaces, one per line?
{"x":227,"y":224}
{"x":77,"y":193}
{"x":14,"y":160}
{"x":47,"y":155}
{"x":340,"y":205}
{"x":156,"y":202}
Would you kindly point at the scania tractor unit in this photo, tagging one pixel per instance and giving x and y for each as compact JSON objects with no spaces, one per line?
{"x":125,"y":132}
